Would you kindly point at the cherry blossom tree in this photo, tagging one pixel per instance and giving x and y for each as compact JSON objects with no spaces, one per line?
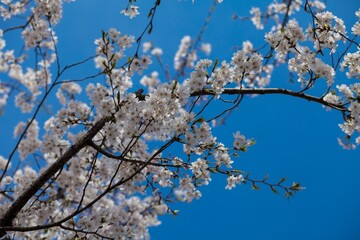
{"x":112,"y":157}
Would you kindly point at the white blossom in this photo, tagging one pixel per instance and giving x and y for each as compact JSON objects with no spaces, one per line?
{"x":132,"y":11}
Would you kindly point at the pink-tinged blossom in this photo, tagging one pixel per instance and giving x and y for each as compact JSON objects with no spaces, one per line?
{"x":343,"y":88}
{"x":67,"y":91}
{"x":331,"y":98}
{"x":147,"y":46}
{"x":239,"y":140}
{"x":206,"y":48}
{"x":151,"y":81}
{"x":30,"y":142}
{"x":233,"y":181}
{"x":131,"y":12}
{"x":284,"y":40}
{"x":184,"y":58}
{"x":157,"y":52}
{"x":317,"y":4}
{"x":200,"y":170}
{"x":3,"y":162}
{"x":245,"y":64}
{"x":222,"y":156}
{"x":329,"y":29}
{"x":355,"y":29}
{"x":351,"y":62}
{"x":305,"y":62}
{"x":256,"y":17}
{"x":4,"y":94}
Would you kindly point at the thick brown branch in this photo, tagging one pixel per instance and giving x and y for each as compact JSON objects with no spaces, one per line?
{"x":15,"y":208}
{"x":250,"y":91}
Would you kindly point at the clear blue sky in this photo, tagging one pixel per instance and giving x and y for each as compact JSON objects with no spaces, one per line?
{"x":295,"y":138}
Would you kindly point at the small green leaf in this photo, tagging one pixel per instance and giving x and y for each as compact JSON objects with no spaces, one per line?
{"x":273,"y":189}
{"x":215,"y":64}
{"x":150,"y":13}
{"x":199,"y":120}
{"x":118,"y":96}
{"x":237,"y":171}
{"x":104,"y":63}
{"x":111,"y":57}
{"x":213,"y":170}
{"x":281,"y":180}
{"x":251,"y":142}
{"x":174,"y":86}
{"x":254,"y":187}
{"x":265,"y":178}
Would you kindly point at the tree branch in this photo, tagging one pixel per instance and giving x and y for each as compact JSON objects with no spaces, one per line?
{"x":262,"y":91}
{"x":16,"y":207}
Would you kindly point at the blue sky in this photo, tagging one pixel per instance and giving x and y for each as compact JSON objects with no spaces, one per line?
{"x":295,"y":138}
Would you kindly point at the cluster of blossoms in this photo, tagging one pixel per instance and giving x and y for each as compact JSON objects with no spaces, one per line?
{"x":325,"y":34}
{"x":200,"y":170}
{"x":8,"y":8}
{"x":305,"y":63}
{"x":183,"y":57}
{"x":150,"y":81}
{"x":352,"y":63}
{"x":51,"y":9}
{"x":155,"y":51}
{"x":289,"y":8}
{"x":31,"y":141}
{"x":351,"y":126}
{"x":4,"y":58}
{"x":288,"y":39}
{"x":348,"y":95}
{"x":245,"y":64}
{"x":233,"y":180}
{"x":131,"y":11}
{"x":110,"y":48}
{"x":275,"y":9}
{"x":198,"y":78}
{"x":285,"y":39}
{"x":355,"y":29}
{"x":37,"y":33}
{"x":68,"y":90}
{"x":187,"y":54}
{"x":6,"y":181}
{"x":4,"y":93}
{"x":7,"y":59}
{"x":245,"y":69}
